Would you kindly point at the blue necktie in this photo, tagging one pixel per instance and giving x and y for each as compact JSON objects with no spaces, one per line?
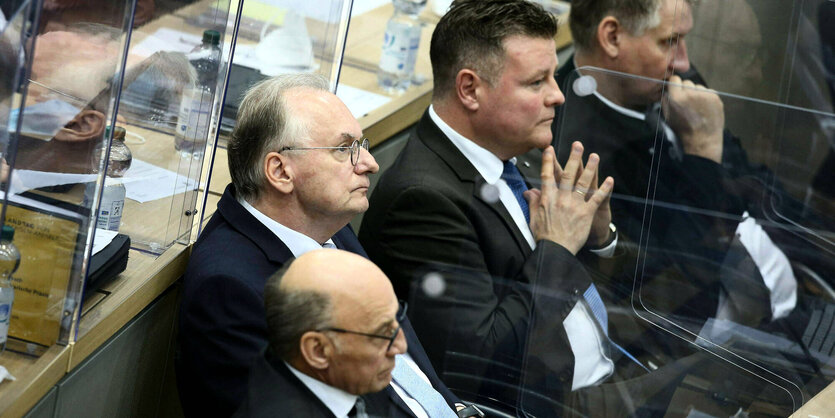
{"x":428,"y":398}
{"x":599,"y":311}
{"x":517,"y":185}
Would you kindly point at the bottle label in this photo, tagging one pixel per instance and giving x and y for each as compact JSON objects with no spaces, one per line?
{"x":5,"y":313}
{"x":400,"y":47}
{"x":112,"y":205}
{"x":195,"y":111}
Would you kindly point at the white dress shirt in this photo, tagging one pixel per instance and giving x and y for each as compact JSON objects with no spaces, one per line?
{"x":591,"y":364}
{"x":299,"y":244}
{"x":337,"y":400}
{"x":772,"y":263}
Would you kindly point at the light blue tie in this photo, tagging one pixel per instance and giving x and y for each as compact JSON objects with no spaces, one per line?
{"x":599,"y":310}
{"x":428,"y":398}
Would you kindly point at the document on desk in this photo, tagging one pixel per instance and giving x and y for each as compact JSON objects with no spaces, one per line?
{"x":360,"y":102}
{"x":24,"y":180}
{"x":165,"y":39}
{"x":145,"y":182}
{"x":102,"y":238}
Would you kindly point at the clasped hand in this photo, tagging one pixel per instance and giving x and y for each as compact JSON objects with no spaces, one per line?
{"x":574,"y":210}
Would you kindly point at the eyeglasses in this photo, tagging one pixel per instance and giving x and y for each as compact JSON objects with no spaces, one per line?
{"x":354,"y":147}
{"x":400,"y":318}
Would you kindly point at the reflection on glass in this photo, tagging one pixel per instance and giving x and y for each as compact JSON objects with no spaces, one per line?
{"x":731,"y":257}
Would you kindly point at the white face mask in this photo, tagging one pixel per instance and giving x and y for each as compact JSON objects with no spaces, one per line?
{"x":43,"y":120}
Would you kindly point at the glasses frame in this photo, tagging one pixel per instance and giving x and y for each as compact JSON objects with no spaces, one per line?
{"x":354,"y":147}
{"x":400,"y":318}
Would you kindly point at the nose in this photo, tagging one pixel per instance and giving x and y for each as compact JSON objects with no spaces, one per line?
{"x":681,"y":62}
{"x":400,"y":345}
{"x":366,"y":163}
{"x":554,"y":96}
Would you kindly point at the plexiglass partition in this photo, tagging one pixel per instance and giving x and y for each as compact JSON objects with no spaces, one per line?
{"x":113,"y":120}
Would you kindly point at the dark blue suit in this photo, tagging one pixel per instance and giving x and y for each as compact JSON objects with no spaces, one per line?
{"x":222,"y":329}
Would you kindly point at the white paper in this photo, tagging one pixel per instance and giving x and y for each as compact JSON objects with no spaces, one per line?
{"x":102,"y":238}
{"x":165,"y":39}
{"x":23,"y":180}
{"x":5,"y":375}
{"x":359,"y":101}
{"x":145,"y":182}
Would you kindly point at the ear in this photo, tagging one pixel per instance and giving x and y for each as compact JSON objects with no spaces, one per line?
{"x":316,"y":350}
{"x":279,"y":174}
{"x":85,"y":126}
{"x":610,"y":36}
{"x":467,"y":86}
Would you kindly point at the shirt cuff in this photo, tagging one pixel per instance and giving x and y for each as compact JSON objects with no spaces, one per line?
{"x":607,"y":251}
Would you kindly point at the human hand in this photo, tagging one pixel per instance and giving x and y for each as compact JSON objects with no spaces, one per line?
{"x":564,"y":214}
{"x":697,"y":116}
{"x":600,"y":232}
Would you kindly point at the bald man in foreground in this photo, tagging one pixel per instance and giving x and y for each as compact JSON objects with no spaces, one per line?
{"x":335,"y":341}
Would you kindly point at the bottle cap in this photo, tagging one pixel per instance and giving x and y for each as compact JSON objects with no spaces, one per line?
{"x":7,"y":233}
{"x":119,"y":133}
{"x":211,"y":37}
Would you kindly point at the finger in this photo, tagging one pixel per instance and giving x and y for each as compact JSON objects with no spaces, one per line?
{"x":575,"y":160}
{"x":584,"y":182}
{"x":594,"y":181}
{"x":603,"y":193}
{"x":549,"y":184}
{"x":532,"y":196}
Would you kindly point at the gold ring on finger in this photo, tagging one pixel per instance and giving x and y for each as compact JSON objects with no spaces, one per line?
{"x":582,"y":193}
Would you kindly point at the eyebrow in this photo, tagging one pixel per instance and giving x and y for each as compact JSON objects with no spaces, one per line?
{"x":348,"y":137}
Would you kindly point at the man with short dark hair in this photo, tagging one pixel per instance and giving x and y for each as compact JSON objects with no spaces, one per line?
{"x":299,"y":168}
{"x":490,"y":269}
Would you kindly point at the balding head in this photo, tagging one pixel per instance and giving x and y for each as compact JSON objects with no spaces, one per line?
{"x":318,"y":309}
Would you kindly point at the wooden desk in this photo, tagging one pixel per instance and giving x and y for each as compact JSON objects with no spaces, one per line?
{"x":822,"y":405}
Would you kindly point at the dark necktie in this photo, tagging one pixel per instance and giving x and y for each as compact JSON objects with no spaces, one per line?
{"x":514,"y":180}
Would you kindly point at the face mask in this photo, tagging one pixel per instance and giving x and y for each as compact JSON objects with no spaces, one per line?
{"x":43,"y":120}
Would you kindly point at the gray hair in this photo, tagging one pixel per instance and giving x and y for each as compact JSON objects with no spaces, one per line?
{"x":635,"y":15}
{"x":265,"y":124}
{"x":291,"y":313}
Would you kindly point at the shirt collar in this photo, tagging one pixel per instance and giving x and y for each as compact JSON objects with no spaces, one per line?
{"x":485,"y":162}
{"x":337,"y":400}
{"x":297,"y":242}
{"x":616,"y":107}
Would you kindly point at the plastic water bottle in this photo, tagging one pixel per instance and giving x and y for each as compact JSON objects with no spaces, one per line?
{"x":400,"y":46}
{"x":196,"y":105}
{"x":9,"y":262}
{"x":113,"y":196}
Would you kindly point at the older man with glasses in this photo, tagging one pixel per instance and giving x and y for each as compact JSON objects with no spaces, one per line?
{"x":299,"y":168}
{"x":335,"y":345}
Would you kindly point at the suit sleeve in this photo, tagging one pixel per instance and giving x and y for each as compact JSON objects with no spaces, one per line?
{"x":222,"y":333}
{"x":429,"y":247}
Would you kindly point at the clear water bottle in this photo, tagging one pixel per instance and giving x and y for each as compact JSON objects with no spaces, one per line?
{"x":196,"y":105}
{"x":400,"y":46}
{"x":113,"y":196}
{"x":9,"y":262}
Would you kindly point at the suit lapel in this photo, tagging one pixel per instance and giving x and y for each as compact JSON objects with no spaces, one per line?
{"x":467,"y":174}
{"x":239,"y":218}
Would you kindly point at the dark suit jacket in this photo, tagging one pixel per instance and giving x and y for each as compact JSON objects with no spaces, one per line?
{"x":273,"y":391}
{"x":428,"y":215}
{"x":222,"y":328}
